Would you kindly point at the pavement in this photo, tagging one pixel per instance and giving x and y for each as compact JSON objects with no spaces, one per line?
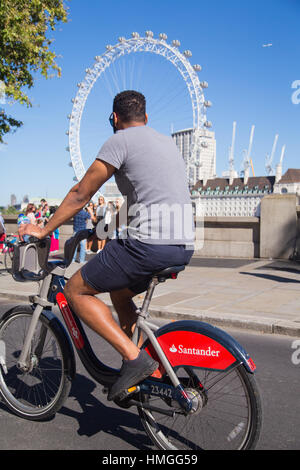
{"x":252,"y":294}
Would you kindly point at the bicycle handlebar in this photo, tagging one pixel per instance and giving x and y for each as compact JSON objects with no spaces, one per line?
{"x":21,"y":271}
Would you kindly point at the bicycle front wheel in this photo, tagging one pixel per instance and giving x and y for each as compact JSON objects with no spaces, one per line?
{"x":226,"y":412}
{"x":39,"y":392}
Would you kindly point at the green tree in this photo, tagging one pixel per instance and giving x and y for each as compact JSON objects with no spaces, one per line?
{"x":25,"y":49}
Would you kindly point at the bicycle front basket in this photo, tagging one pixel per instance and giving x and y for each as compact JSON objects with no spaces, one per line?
{"x":29,"y":262}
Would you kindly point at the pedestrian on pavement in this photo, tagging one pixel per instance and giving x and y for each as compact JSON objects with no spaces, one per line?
{"x":79,"y":223}
{"x":100,"y":213}
{"x":30,"y":213}
{"x":2,"y":232}
{"x":119,"y":226}
{"x":54,"y":246}
{"x":90,"y":225}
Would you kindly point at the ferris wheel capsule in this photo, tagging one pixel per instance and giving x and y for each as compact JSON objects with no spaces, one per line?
{"x":197,"y":68}
{"x":109,"y":47}
{"x":204,"y":84}
{"x":163,"y":36}
{"x":149,"y":34}
{"x":187,"y":53}
{"x":207,"y":103}
{"x":204,"y":145}
{"x":121,"y":39}
{"x":135,"y":35}
{"x":175,"y":43}
{"x":208,"y":124}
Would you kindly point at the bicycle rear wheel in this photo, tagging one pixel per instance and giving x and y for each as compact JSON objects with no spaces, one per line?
{"x":226,"y":412}
{"x":38,"y":393}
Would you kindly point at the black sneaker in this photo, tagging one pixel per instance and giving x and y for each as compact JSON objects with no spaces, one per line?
{"x":131,"y":373}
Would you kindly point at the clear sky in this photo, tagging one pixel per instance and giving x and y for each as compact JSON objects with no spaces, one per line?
{"x":248,"y":83}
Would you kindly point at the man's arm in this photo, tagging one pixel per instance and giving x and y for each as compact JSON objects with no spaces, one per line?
{"x":97,"y":174}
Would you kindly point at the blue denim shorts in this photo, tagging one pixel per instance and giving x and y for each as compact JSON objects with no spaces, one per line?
{"x":130,"y":263}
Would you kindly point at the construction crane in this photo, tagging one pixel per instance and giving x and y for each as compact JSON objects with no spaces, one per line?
{"x":269,"y":158}
{"x":250,"y":148}
{"x":231,"y":149}
{"x":247,"y":160}
{"x":282,"y":154}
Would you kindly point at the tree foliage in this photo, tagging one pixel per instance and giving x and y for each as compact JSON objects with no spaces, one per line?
{"x":25,"y":49}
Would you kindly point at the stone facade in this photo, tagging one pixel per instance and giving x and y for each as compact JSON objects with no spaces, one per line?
{"x":241,"y":197}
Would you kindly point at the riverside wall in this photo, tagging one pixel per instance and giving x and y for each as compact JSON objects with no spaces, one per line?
{"x":275,"y":234}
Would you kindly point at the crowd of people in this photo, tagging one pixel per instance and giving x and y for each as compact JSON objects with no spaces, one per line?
{"x":86,"y":218}
{"x":89,"y":217}
{"x":40,"y":215}
{"x":36,"y":215}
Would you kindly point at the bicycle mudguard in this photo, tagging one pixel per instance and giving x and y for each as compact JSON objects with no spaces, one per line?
{"x":198,"y":344}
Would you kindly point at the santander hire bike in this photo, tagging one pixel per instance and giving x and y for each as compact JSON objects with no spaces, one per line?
{"x":204,"y":394}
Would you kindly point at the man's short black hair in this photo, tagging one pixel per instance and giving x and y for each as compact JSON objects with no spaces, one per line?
{"x":130,"y":106}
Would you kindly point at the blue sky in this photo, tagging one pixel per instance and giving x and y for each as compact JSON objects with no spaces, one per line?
{"x":248,"y":83}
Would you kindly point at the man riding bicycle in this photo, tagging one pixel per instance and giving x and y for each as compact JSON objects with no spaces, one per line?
{"x":150,"y":174}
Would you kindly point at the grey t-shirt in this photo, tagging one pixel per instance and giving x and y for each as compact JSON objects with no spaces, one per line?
{"x":150,"y":174}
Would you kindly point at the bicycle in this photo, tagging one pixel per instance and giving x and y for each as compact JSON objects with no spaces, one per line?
{"x":203,"y":395}
{"x":8,"y":251}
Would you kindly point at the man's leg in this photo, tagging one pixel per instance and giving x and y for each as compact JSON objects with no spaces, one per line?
{"x":137,"y":364}
{"x":97,"y":315}
{"x":126,"y":310}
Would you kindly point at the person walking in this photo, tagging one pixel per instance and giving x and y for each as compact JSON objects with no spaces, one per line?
{"x":100,"y":214}
{"x":30,"y":213}
{"x":90,"y":225}
{"x":79,"y":223}
{"x":2,"y":232}
{"x":54,"y":246}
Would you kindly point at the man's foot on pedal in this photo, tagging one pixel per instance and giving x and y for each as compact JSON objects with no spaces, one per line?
{"x":131,"y":373}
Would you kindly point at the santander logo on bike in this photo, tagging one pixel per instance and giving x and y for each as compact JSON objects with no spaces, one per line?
{"x":180,"y":349}
{"x":195,"y":349}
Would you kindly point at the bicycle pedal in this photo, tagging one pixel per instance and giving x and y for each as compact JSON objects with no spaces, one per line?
{"x":124,"y":399}
{"x":128,"y":392}
{"x":131,"y":390}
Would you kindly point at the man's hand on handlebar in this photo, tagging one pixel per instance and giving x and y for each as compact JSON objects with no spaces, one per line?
{"x":30,"y":229}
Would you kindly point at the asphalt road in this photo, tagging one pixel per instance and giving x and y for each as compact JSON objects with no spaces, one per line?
{"x":88,"y":422}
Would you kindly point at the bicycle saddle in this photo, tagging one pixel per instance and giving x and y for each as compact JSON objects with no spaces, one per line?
{"x":168,"y":273}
